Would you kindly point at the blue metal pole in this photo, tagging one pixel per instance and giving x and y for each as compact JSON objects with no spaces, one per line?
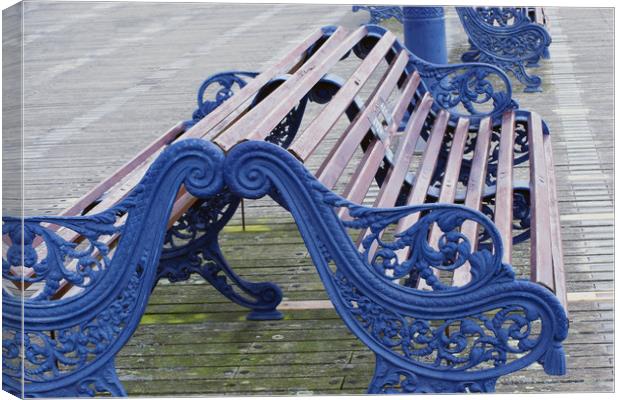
{"x":425,"y":33}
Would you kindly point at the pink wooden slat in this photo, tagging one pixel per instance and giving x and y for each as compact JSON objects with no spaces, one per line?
{"x":503,"y":195}
{"x":257,"y":123}
{"x":364,"y":175}
{"x":102,"y":190}
{"x":391,"y":187}
{"x":396,"y":176}
{"x":123,"y":171}
{"x":307,"y":141}
{"x":473,"y":198}
{"x":358,"y":186}
{"x":450,"y":180}
{"x":556,"y":236}
{"x":424,"y":175}
{"x":540,"y":233}
{"x":331,"y":169}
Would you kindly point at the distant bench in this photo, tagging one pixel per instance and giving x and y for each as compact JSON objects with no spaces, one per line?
{"x":493,"y":34}
{"x":427,"y":286}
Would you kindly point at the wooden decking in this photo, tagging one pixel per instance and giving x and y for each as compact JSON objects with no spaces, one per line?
{"x":104,"y":79}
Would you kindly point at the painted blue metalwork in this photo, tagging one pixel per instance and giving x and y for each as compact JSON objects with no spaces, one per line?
{"x":443,"y":340}
{"x":425,"y":33}
{"x":469,"y":90}
{"x":506,"y":37}
{"x":223,"y":85}
{"x":70,"y":343}
{"x":191,"y":246}
{"x":381,"y":13}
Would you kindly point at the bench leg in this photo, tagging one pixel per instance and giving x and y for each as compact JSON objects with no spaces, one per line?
{"x":532,"y":82}
{"x":104,"y":380}
{"x":390,"y":379}
{"x":101,"y":381}
{"x":191,"y":246}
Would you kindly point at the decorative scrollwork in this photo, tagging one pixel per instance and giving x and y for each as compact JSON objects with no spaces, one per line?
{"x":471,"y":90}
{"x":191,"y":247}
{"x":451,"y":251}
{"x":454,"y":344}
{"x":65,"y":345}
{"x":389,"y":379}
{"x":284,"y":133}
{"x":48,"y":356}
{"x":467,"y":90}
{"x":467,"y":335}
{"x":504,"y":16}
{"x":223,"y":84}
{"x":50,"y":259}
{"x":511,"y":47}
{"x":202,"y":218}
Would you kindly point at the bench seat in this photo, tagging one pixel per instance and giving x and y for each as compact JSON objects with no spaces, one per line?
{"x":423,"y":277}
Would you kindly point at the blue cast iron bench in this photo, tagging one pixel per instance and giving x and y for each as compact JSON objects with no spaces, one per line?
{"x":423,"y":277}
{"x":511,"y":38}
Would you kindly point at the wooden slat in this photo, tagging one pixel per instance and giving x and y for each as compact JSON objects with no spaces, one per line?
{"x":424,"y":175}
{"x":539,"y":15}
{"x":257,"y":123}
{"x":451,"y":176}
{"x":473,"y":198}
{"x":362,"y":178}
{"x":396,"y":176}
{"x":503,"y":196}
{"x":393,"y":182}
{"x":307,"y":141}
{"x":450,"y":180}
{"x":153,"y":148}
{"x":331,"y":169}
{"x":556,"y":235}
{"x":427,"y":168}
{"x":540,"y":233}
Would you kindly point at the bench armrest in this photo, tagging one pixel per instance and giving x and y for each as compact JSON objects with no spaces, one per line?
{"x":452,"y":251}
{"x":221,"y":86}
{"x":470,"y":90}
{"x":53,"y":256}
